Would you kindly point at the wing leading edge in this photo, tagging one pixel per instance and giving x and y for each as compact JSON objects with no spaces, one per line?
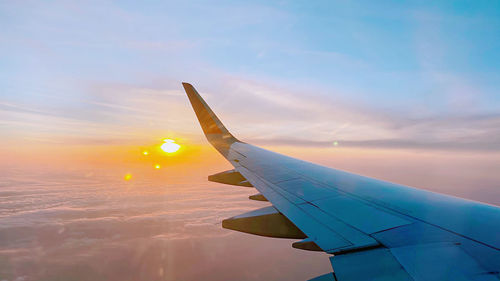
{"x":375,"y":230}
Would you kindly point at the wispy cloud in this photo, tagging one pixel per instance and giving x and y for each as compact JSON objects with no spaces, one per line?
{"x":273,"y":116}
{"x":267,"y":113}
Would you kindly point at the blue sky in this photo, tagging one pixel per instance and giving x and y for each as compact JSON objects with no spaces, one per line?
{"x":367,"y":73}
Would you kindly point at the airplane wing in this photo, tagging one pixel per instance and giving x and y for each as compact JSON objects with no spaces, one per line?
{"x":372,"y":229}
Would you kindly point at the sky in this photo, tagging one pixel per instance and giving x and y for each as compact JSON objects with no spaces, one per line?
{"x":405,"y":91}
{"x":401,"y":74}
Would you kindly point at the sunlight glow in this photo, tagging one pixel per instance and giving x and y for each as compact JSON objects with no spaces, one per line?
{"x":145,"y":152}
{"x":127,"y":177}
{"x":170,"y":146}
{"x":157,"y":166}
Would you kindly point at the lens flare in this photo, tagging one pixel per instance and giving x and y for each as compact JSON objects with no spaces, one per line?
{"x":170,"y":146}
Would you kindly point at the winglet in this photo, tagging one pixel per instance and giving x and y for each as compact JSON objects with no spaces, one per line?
{"x":213,"y":128}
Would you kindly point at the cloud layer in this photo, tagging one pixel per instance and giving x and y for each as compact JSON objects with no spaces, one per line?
{"x":70,"y":227}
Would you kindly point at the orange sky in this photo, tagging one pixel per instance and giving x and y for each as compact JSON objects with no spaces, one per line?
{"x":452,"y":172}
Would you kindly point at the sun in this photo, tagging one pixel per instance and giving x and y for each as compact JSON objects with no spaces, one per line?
{"x":170,"y":146}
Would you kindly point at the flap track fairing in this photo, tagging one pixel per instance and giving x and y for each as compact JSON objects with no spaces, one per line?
{"x":257,"y":197}
{"x":307,"y":244}
{"x":231,"y":177}
{"x":267,"y":222}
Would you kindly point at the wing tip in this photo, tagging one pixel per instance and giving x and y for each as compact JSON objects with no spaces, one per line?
{"x":187,"y":86}
{"x":212,"y":127}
